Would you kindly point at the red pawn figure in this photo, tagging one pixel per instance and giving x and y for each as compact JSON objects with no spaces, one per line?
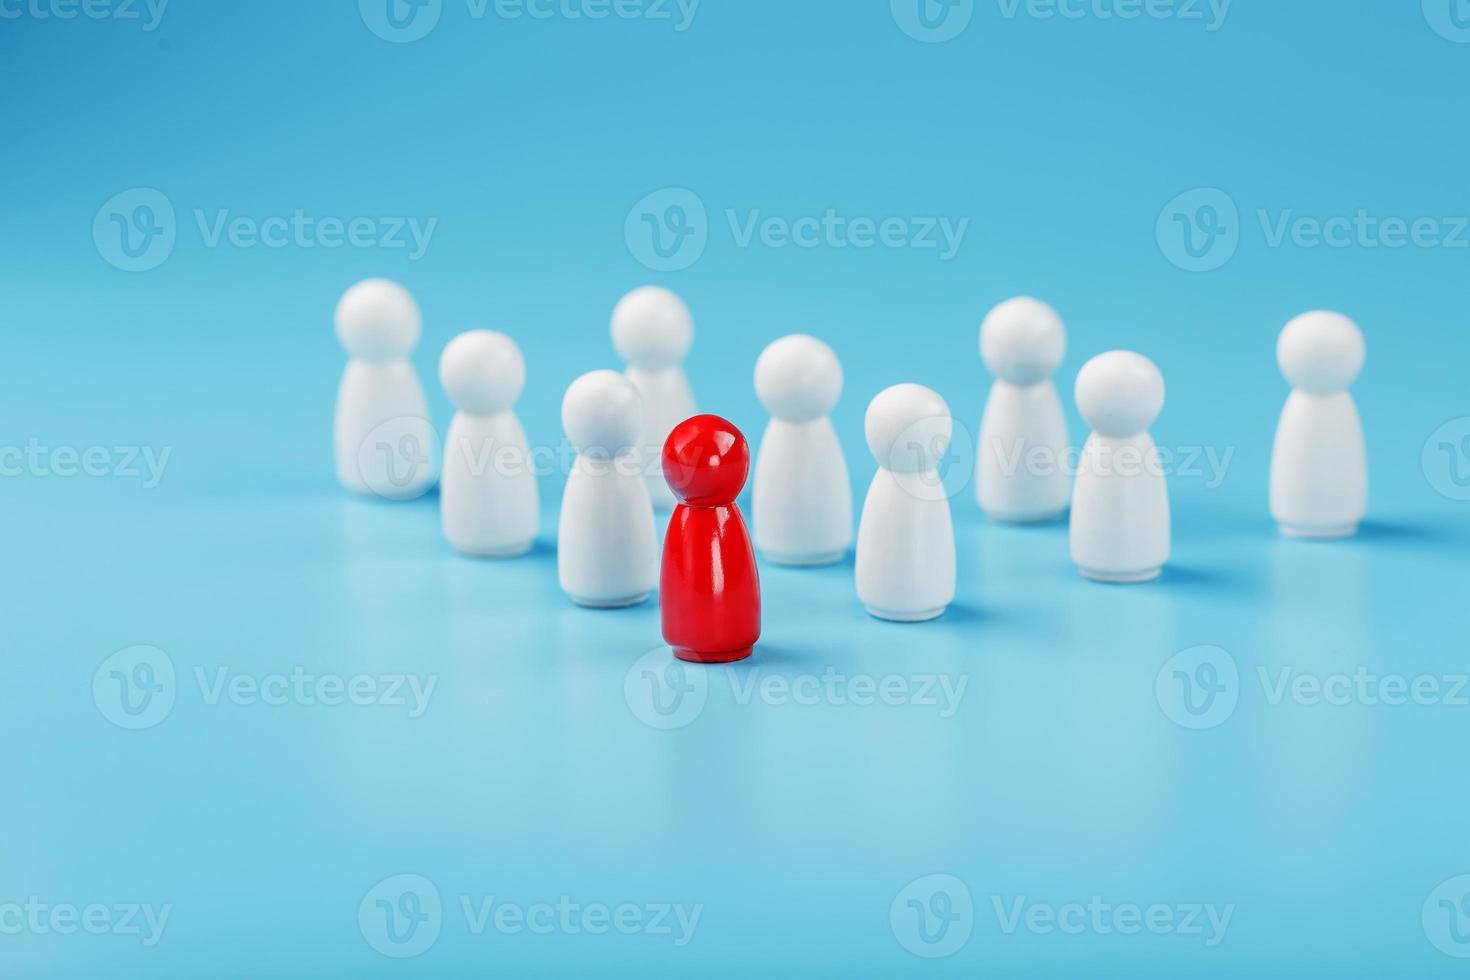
{"x":710,"y":592}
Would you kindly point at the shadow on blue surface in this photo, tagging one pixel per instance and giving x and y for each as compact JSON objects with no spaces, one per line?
{"x":964,"y":614}
{"x":1192,"y":577}
{"x":1412,"y":534}
{"x":780,"y":655}
{"x":543,"y":549}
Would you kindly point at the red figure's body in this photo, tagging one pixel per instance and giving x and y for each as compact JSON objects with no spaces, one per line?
{"x":710,"y":592}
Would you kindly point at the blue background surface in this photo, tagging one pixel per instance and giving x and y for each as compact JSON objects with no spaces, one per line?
{"x":1333,"y":832}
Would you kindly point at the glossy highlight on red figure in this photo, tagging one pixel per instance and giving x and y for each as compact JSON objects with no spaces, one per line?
{"x":710,"y":590}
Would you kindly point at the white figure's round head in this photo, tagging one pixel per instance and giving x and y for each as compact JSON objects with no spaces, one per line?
{"x":602,"y":414}
{"x":483,"y":372}
{"x":798,"y":379}
{"x":377,"y":320}
{"x":908,"y":428}
{"x":652,"y":329}
{"x":1023,"y":341}
{"x":1120,"y":394}
{"x":1321,"y":353}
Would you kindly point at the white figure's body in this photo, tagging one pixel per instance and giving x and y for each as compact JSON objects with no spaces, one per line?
{"x":1120,"y":508}
{"x":652,"y":331}
{"x":905,"y":545}
{"x":802,"y":504}
{"x":487,"y":496}
{"x":607,"y":547}
{"x":1024,"y":446}
{"x":1319,"y":466}
{"x":384,"y":442}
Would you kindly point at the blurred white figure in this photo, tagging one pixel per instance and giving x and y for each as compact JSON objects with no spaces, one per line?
{"x":652,"y":331}
{"x":905,"y":547}
{"x":1023,"y":435}
{"x":1120,"y":509}
{"x":487,"y":497}
{"x":802,"y":506}
{"x":384,"y":441}
{"x":1319,"y":467}
{"x":607,"y":548}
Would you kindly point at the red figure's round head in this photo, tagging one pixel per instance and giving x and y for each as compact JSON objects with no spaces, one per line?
{"x":706,"y":460}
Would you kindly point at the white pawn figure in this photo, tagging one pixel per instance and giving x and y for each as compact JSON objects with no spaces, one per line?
{"x":384,"y":442}
{"x":1319,"y":467}
{"x":1120,"y":509}
{"x":652,"y":331}
{"x":607,"y":550}
{"x":905,"y":546}
{"x":487,"y":497}
{"x":802,"y":498}
{"x":1023,"y":434}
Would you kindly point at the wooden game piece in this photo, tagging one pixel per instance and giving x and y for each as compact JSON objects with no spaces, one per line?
{"x":384,"y":442}
{"x":710,"y":589}
{"x":906,"y":570}
{"x":607,"y":548}
{"x":653,"y":331}
{"x":1319,"y":466}
{"x":802,"y":499}
{"x":1023,"y":477}
{"x":1120,"y":530}
{"x":487,"y":498}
